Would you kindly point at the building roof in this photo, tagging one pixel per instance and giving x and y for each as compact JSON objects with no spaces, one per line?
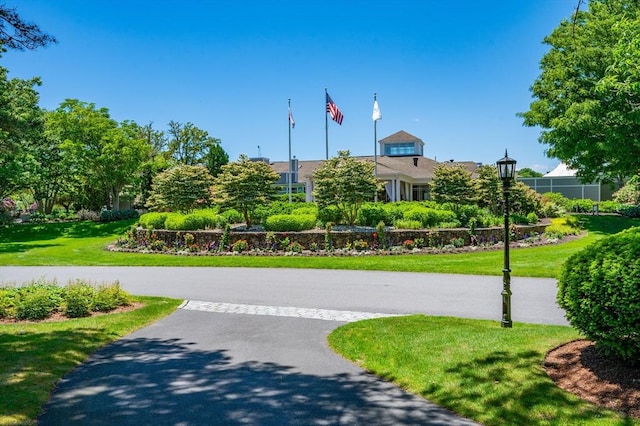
{"x":416,"y":168}
{"x":401,"y":136}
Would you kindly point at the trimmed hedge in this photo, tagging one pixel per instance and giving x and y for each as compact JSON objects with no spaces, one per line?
{"x":290,"y":222}
{"x":115,"y":215}
{"x":599,"y":288}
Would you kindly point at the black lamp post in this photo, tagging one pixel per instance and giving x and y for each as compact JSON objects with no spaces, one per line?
{"x":507,"y":172}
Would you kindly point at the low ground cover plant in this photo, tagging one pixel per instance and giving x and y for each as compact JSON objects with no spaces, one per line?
{"x":40,"y":299}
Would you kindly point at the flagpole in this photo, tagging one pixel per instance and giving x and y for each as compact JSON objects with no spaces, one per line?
{"x":289,"y":174}
{"x":375,"y":146}
{"x":326,"y":126}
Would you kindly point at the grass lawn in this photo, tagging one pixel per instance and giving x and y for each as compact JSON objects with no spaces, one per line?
{"x":473,"y":367}
{"x":82,"y":244}
{"x":34,"y":356}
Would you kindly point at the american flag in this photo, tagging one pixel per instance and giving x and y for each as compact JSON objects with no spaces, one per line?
{"x":333,"y":110}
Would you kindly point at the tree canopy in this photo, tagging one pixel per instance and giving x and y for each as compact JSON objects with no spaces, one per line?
{"x":16,"y":33}
{"x":587,"y":98}
{"x":181,"y":188}
{"x":453,"y":184}
{"x":245,"y":185}
{"x":346,"y":183}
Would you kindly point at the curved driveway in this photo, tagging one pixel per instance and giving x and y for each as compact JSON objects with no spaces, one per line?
{"x":204,"y":365}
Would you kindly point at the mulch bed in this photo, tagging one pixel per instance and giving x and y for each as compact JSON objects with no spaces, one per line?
{"x":578,"y":367}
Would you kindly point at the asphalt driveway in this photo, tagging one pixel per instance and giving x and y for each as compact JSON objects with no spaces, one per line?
{"x":249,"y":347}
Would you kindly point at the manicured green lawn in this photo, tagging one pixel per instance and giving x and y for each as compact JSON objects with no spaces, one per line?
{"x":34,"y":356}
{"x":473,"y":367}
{"x":82,"y":243}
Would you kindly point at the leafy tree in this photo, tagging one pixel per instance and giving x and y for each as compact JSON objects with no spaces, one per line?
{"x":215,"y":159}
{"x":21,"y":126}
{"x":346,"y":183}
{"x":103,"y":156}
{"x":15,"y":33}
{"x":453,"y":184}
{"x":191,"y":145}
{"x":523,"y":199}
{"x":488,"y":189}
{"x":587,"y":100}
{"x":245,"y":185}
{"x":181,"y":188}
{"x":630,"y":192}
{"x":526,"y":172}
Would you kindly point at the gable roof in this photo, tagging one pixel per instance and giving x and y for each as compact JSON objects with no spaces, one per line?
{"x":401,"y":136}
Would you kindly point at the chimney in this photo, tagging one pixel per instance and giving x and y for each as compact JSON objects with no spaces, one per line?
{"x":415,"y":161}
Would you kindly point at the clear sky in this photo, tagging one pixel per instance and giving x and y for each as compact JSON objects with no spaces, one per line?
{"x":453,"y":73}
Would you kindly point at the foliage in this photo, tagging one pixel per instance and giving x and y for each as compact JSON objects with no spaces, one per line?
{"x":346,"y":183}
{"x":290,"y":222}
{"x":488,"y":189}
{"x":524,"y":200}
{"x":108,"y":297}
{"x":104,"y":155}
{"x":329,"y":214}
{"x":181,"y":188}
{"x":630,"y":192}
{"x":599,"y":290}
{"x":240,"y":246}
{"x":114,"y":215}
{"x":193,"y":146}
{"x":153,"y":220}
{"x":407,"y":224}
{"x":37,"y":301}
{"x":370,"y":214}
{"x":21,"y":126}
{"x":586,"y":98}
{"x":527,"y":172}
{"x":629,"y":211}
{"x":84,"y":214}
{"x":244,"y":185}
{"x":78,"y":299}
{"x":452,"y":184}
{"x":23,"y":35}
{"x":560,"y":228}
{"x":581,"y":205}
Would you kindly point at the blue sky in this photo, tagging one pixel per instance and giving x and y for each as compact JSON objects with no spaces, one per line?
{"x":453,"y":73}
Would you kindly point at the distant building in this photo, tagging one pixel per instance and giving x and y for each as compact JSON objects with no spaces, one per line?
{"x":563,"y":180}
{"x":403,"y":168}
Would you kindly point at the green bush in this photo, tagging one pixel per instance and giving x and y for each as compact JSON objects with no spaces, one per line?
{"x":407,"y":224}
{"x":115,"y":215}
{"x":329,"y":214}
{"x":599,"y":290}
{"x":78,"y":299}
{"x":289,"y":222}
{"x":557,"y":199}
{"x":153,"y":220}
{"x":306,"y":210}
{"x":370,"y":214}
{"x":175,"y":222}
{"x":629,"y":211}
{"x":608,"y":206}
{"x":240,"y":246}
{"x":580,"y":206}
{"x":231,"y":216}
{"x":109,"y":297}
{"x":7,"y":302}
{"x":38,"y":301}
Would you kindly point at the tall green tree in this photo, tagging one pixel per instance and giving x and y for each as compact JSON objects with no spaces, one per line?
{"x":191,"y":145}
{"x":346,"y":183}
{"x":587,"y":98}
{"x":453,"y":184}
{"x":527,"y":172}
{"x":21,"y":127}
{"x":245,"y":185}
{"x":181,"y":188}
{"x":103,"y":156}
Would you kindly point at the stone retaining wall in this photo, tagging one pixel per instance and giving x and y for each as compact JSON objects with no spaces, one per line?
{"x":257,"y":240}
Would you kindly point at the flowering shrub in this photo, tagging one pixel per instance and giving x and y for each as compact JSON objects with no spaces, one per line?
{"x":295,"y":247}
{"x":360,"y":245}
{"x":408,"y":244}
{"x":240,"y":246}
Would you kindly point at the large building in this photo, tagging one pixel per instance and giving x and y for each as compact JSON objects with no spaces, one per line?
{"x":564,"y":181}
{"x":406,"y":172}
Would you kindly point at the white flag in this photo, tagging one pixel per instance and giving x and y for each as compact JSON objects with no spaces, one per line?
{"x":377,"y":115}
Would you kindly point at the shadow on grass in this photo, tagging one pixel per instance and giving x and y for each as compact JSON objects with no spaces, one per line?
{"x":48,"y":231}
{"x":21,"y":248}
{"x":169,"y":381}
{"x":607,"y":224}
{"x":501,"y":397}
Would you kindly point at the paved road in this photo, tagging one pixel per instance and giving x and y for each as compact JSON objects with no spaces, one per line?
{"x":249,"y":347}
